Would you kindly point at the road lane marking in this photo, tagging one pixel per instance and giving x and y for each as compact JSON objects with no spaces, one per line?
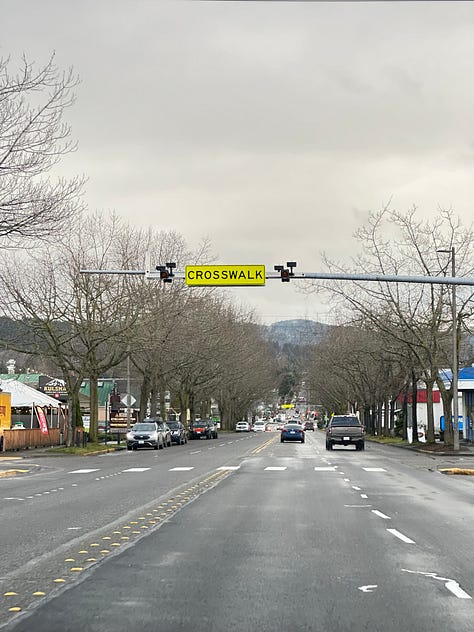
{"x":356,"y":488}
{"x":181,"y":469}
{"x":452,"y":585}
{"x":363,"y":496}
{"x":84,"y":471}
{"x":229,"y":468}
{"x":275,"y":469}
{"x":374,"y":469}
{"x":380,"y":514}
{"x":401,"y":536}
{"x":368,"y":589}
{"x":137,"y":469}
{"x":329,"y":468}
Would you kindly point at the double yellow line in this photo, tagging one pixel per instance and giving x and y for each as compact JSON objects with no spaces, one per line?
{"x":266,"y":444}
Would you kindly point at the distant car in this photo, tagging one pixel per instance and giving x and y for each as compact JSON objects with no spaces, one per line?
{"x":200,"y":428}
{"x":179,"y":433}
{"x":242,"y":426}
{"x":165,"y":429}
{"x":146,"y":434}
{"x":213,"y":425}
{"x":270,"y":426}
{"x":292,"y":432}
{"x":309,"y":425}
{"x":259,"y":425}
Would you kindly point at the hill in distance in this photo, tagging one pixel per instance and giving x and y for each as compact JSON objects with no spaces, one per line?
{"x":299,"y":332}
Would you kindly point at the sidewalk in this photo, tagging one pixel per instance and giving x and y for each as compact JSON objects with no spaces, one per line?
{"x":465,"y":449}
{"x":27,"y":453}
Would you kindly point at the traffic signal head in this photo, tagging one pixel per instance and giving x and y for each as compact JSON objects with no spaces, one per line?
{"x":164,"y":274}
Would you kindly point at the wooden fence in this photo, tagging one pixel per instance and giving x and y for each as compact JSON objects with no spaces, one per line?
{"x":30,"y":438}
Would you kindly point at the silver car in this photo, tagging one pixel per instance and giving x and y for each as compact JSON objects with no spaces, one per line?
{"x":166,"y":431}
{"x":145,"y":434}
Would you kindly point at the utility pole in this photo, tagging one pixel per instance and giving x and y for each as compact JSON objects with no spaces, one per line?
{"x":129,"y":396}
{"x":454,"y":324}
{"x":455,"y":355}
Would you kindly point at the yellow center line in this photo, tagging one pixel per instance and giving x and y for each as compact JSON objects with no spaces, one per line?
{"x":265,"y":445}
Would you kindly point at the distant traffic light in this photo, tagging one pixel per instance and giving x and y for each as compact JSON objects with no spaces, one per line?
{"x":166,"y":272}
{"x":286,"y":273}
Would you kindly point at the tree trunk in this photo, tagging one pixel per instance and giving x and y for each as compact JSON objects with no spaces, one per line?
{"x":74,"y":415}
{"x":391,"y":424}
{"x":183,"y":404}
{"x":162,"y":397}
{"x":414,"y":412}
{"x":144,"y":395}
{"x":386,"y":418}
{"x":430,"y":438}
{"x":94,"y":409}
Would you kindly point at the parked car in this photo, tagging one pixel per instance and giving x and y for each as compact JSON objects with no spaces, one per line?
{"x":292,"y":432}
{"x":179,"y":434}
{"x":200,"y":428}
{"x":165,"y":429}
{"x":309,"y":425}
{"x":345,"y":430}
{"x":146,"y":434}
{"x":242,"y":426}
{"x":213,"y":425}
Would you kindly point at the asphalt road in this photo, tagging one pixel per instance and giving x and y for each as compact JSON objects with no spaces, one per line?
{"x":258,"y":535}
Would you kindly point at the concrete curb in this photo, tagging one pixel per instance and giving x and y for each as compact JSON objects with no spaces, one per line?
{"x":424,"y":451}
{"x":43,"y":452}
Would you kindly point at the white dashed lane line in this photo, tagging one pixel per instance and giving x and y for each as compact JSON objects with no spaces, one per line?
{"x":137,"y":469}
{"x":181,"y":469}
{"x":401,"y":536}
{"x":380,"y":514}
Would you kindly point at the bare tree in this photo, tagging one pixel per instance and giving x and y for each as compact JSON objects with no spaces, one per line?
{"x":416,"y":316}
{"x":81,"y":323}
{"x":33,"y":138}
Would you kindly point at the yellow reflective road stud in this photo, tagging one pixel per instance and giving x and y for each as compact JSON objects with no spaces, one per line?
{"x":225,"y":275}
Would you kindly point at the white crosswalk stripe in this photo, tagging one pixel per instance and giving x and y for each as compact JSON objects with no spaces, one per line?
{"x":137,"y":469}
{"x":84,"y":471}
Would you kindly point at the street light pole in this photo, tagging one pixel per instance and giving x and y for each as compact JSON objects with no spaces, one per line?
{"x":454,"y":319}
{"x":455,"y":355}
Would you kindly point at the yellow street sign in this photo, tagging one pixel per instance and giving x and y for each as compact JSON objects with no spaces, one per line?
{"x":225,"y":275}
{"x":287,"y":406}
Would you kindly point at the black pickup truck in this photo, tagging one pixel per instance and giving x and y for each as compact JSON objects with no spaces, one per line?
{"x":345,"y":430}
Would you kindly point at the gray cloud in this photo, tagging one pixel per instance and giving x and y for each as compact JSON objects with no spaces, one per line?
{"x":271,"y":127}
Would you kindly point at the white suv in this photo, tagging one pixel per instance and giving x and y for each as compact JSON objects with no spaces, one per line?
{"x":242,"y":426}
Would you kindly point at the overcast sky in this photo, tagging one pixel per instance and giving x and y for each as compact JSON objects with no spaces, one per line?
{"x":272,"y":128}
